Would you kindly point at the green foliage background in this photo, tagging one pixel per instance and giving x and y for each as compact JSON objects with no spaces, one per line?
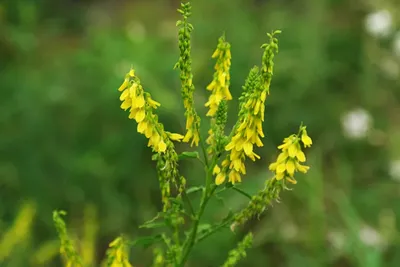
{"x":65,"y":144}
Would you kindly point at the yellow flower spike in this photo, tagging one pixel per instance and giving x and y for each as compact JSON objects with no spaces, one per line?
{"x":132,"y":73}
{"x":219,"y":86}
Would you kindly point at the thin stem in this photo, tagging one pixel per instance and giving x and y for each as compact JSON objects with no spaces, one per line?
{"x":216,"y":229}
{"x":242,"y":192}
{"x":207,"y":194}
{"x":187,"y":199}
{"x":203,"y":148}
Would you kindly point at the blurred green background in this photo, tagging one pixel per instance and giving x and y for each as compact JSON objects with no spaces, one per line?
{"x":66,"y":144}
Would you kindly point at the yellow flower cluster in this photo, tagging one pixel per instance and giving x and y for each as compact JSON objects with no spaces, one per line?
{"x":289,"y":160}
{"x":141,"y":110}
{"x":117,"y":254}
{"x":220,"y":84}
{"x":246,"y":135}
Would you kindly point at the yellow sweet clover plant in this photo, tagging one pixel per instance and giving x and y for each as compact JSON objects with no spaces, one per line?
{"x":223,"y":155}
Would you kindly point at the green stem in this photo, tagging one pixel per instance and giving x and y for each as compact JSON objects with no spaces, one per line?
{"x":207,"y":193}
{"x":242,"y":192}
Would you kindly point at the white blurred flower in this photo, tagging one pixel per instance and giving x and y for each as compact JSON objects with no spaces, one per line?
{"x":394,"y":170}
{"x":356,"y":123}
{"x":370,"y":237}
{"x":396,"y":44}
{"x":289,"y":231}
{"x":337,"y":239}
{"x":390,"y":67}
{"x":379,"y":23}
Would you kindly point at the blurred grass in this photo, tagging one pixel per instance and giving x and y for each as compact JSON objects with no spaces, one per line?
{"x":65,"y":144}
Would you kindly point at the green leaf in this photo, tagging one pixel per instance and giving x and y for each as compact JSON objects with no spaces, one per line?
{"x":194,"y":189}
{"x":187,"y":154}
{"x":152,"y":225}
{"x":153,"y":222}
{"x":147,"y":241}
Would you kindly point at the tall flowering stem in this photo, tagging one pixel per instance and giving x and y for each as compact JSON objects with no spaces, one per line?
{"x":186,"y":76}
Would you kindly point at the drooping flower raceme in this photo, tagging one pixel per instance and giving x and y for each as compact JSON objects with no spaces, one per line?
{"x":291,"y":156}
{"x":141,"y":107}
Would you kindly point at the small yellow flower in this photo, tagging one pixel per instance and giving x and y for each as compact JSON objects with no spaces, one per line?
{"x":220,"y":178}
{"x":175,"y":136}
{"x":307,"y":141}
{"x":216,"y":170}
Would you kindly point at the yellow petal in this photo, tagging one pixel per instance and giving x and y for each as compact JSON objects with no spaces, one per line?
{"x":139,"y":101}
{"x":141,"y":128}
{"x":279,"y":176}
{"x":220,"y":178}
{"x":281,"y":168}
{"x":124,"y":85}
{"x":216,"y":170}
{"x":301,"y":156}
{"x":234,"y":177}
{"x":124,"y":95}
{"x":290,"y":167}
{"x":162,"y":146}
{"x":293,"y":150}
{"x":291,"y":180}
{"x":175,"y":136}
{"x":140,"y":115}
{"x":302,"y":168}
{"x":126,"y":104}
{"x":307,"y":141}
{"x":272,"y":166}
{"x":154,"y":104}
{"x":248,"y":148}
